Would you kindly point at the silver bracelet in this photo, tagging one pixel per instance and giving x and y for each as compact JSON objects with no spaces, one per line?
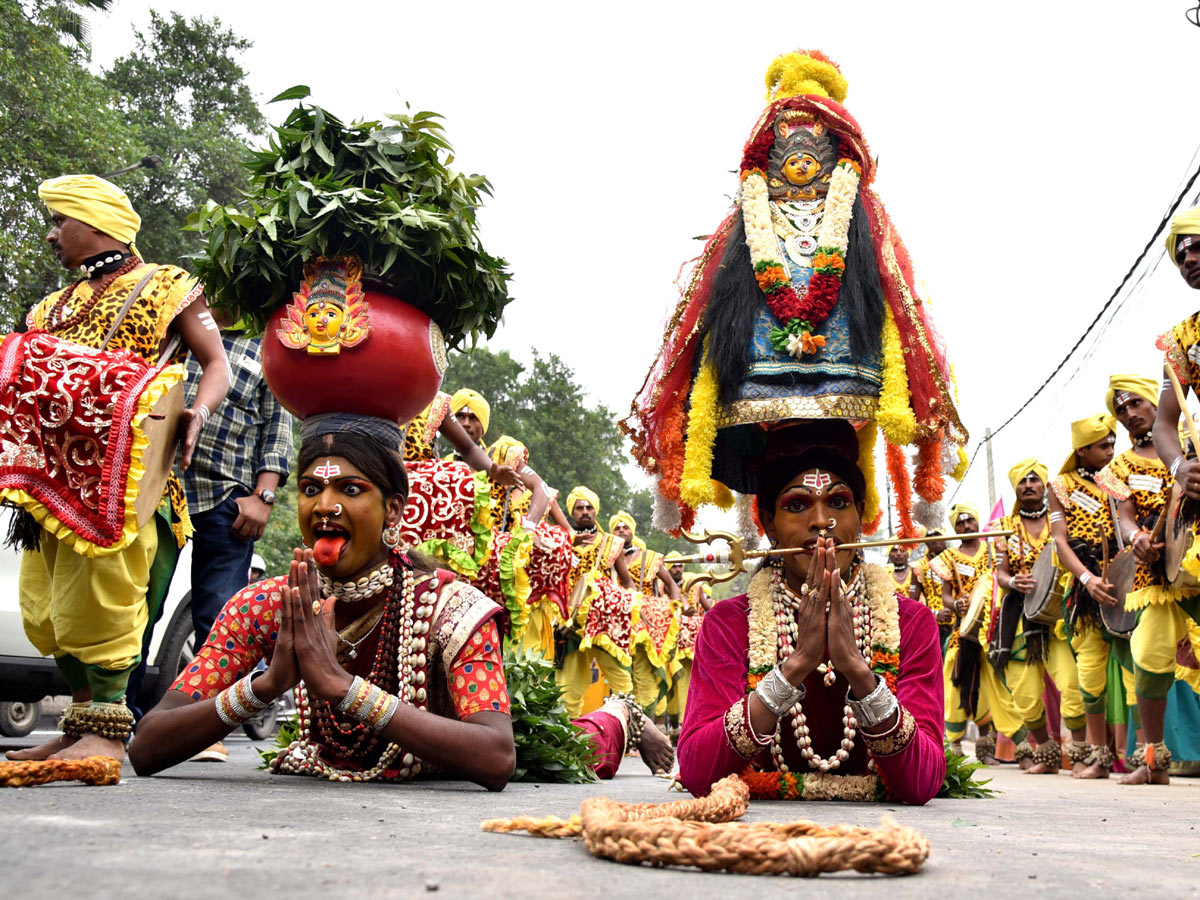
{"x":344,"y":703}
{"x":777,"y":693}
{"x":1175,"y":465}
{"x":874,"y":708}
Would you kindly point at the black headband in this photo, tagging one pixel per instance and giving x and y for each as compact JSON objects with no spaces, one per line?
{"x":385,"y":431}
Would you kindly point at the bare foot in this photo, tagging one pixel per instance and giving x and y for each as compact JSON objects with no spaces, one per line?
{"x":988,"y":760}
{"x":1094,"y":771}
{"x":44,"y":751}
{"x":656,"y":751}
{"x":1041,"y":769}
{"x":92,"y":745}
{"x":1077,"y":769}
{"x":1146,"y":775}
{"x":1026,"y":763}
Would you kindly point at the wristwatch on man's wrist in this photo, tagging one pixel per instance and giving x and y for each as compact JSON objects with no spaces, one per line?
{"x":266,"y":495}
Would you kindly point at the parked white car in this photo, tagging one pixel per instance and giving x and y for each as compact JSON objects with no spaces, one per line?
{"x":26,"y":677}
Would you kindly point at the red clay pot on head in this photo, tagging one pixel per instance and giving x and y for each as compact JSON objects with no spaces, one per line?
{"x":393,"y":374}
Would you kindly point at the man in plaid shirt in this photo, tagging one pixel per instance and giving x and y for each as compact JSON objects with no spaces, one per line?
{"x":241,"y":459}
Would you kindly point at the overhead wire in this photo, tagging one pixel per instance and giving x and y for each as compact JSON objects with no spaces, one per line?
{"x":1109,"y":303}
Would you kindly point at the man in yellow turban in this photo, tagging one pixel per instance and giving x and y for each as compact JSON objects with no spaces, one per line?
{"x":1140,"y":483}
{"x":972,"y":689}
{"x":1082,"y":524}
{"x":473,"y":413}
{"x":1025,"y":650}
{"x":602,"y":601}
{"x":655,"y":618}
{"x":87,"y":605}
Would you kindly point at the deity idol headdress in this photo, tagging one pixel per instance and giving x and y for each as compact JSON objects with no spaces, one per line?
{"x":803,"y":305}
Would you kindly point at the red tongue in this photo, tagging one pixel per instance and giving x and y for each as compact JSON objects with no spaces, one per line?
{"x":328,"y":550}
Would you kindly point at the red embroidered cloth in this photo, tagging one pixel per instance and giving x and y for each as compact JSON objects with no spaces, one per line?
{"x":66,"y":430}
{"x":441,"y":506}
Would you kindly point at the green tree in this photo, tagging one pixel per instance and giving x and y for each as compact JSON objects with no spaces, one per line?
{"x":184,"y":93}
{"x":55,"y":117}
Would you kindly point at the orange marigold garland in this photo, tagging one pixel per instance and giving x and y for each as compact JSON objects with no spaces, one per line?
{"x":927,"y":478}
{"x":898,"y":474}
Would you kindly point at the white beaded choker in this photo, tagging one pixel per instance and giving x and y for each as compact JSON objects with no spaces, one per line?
{"x":368,"y":586}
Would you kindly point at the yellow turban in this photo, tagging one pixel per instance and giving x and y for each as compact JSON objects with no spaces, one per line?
{"x":465,"y":398}
{"x":582,"y":493}
{"x":622,"y":518}
{"x":1024,"y":467}
{"x":1086,"y":432}
{"x":958,"y":510}
{"x":1146,"y":388}
{"x":673,"y":556}
{"x":95,"y":202}
{"x":1186,"y":222}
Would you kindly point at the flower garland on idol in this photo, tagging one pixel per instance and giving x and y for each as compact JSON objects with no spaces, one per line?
{"x":771,"y":640}
{"x":799,"y":314}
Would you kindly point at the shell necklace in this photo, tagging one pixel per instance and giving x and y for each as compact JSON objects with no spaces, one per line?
{"x":784,"y":602}
{"x":303,"y":756}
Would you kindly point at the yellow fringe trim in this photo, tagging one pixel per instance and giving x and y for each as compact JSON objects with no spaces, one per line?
{"x":605,"y":643}
{"x":1154,"y":594}
{"x":659,"y":658}
{"x":153,"y":392}
{"x":866,"y":461}
{"x":895,"y":415}
{"x":696,"y":484}
{"x":722,"y":496}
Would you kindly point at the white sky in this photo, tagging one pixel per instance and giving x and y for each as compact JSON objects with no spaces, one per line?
{"x":1027,"y":150}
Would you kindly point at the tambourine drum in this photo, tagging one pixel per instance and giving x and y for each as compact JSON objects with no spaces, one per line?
{"x":1117,"y":619}
{"x":1044,"y":603}
{"x":972,"y":620}
{"x":1179,"y":537}
{"x":161,"y":428}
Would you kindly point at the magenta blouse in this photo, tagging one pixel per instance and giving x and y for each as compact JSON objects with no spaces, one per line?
{"x":911,"y":761}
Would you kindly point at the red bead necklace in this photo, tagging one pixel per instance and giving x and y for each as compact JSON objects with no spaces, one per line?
{"x":57,"y":318}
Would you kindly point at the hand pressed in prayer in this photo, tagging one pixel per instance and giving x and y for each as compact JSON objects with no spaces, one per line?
{"x":811,"y":617}
{"x":314,"y":634}
{"x":283,"y":673}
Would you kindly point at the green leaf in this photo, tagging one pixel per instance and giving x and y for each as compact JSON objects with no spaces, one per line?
{"x":296,"y":92}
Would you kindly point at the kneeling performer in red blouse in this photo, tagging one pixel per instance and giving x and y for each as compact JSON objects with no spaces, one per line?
{"x":821,"y":682}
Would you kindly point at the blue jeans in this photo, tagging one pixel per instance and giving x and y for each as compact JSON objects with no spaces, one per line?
{"x":220,"y":563}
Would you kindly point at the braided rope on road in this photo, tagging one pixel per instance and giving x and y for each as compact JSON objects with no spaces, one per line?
{"x":92,"y":770}
{"x":701,"y":833}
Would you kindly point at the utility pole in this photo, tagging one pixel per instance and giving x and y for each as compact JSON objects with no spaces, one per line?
{"x":991,"y":473}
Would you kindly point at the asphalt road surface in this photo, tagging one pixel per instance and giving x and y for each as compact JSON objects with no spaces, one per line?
{"x":231,"y":830}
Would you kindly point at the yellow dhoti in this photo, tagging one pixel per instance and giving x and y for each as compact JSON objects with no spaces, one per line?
{"x":90,"y":608}
{"x":576,"y":676}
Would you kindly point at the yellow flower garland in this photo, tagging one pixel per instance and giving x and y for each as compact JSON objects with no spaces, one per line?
{"x":895,"y":415}
{"x":866,"y":462}
{"x":696,"y":484}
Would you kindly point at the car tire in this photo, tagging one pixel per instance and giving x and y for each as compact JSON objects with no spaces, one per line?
{"x":18,"y":719}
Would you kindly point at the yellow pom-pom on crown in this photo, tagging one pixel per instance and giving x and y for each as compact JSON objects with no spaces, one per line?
{"x":805,"y":72}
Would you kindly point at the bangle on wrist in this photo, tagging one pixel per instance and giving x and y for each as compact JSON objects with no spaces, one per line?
{"x":1175,"y":465}
{"x":1085,"y":578}
{"x":874,"y":708}
{"x":238,"y":703}
{"x":777,"y":693}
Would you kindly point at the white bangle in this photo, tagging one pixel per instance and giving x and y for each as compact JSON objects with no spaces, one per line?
{"x":1085,"y":578}
{"x":1175,"y":465}
{"x":203,"y":411}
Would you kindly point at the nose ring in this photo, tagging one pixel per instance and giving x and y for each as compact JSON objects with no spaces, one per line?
{"x":337,"y":509}
{"x":832,"y":523}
